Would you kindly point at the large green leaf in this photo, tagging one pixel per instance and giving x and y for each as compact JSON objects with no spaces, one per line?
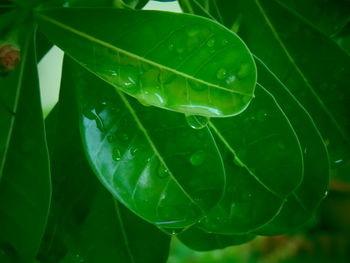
{"x":86,"y":224}
{"x":149,"y":158}
{"x":190,"y":65}
{"x":197,"y":239}
{"x":301,"y":205}
{"x":25,"y":186}
{"x":263,"y":162}
{"x":309,"y":62}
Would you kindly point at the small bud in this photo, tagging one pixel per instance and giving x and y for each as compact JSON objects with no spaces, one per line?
{"x":9,"y":57}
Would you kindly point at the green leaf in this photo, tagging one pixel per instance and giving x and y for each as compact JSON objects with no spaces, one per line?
{"x":134,"y":4}
{"x":86,"y":224}
{"x":199,"y":240}
{"x":150,"y":159}
{"x":191,"y":65}
{"x":25,"y":187}
{"x":328,"y":16}
{"x":314,"y":68}
{"x":308,"y":61}
{"x":263,"y":162}
{"x":301,"y":205}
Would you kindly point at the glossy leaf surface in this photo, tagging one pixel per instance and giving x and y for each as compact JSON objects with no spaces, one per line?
{"x":314,"y":68}
{"x":25,"y":186}
{"x":150,"y":159}
{"x":191,"y":65}
{"x":263,"y":164}
{"x":86,"y":224}
{"x":197,"y":239}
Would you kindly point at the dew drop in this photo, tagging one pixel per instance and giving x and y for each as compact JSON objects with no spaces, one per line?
{"x":116,"y":156}
{"x":230,"y":79}
{"x":171,"y":46}
{"x":196,"y":121}
{"x":243,"y":71}
{"x":162,"y":171}
{"x":224,"y":42}
{"x":171,"y":231}
{"x":197,"y":158}
{"x":211,"y":42}
{"x":261,"y":115}
{"x":221,"y":74}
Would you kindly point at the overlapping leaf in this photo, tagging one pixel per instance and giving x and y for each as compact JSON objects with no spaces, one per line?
{"x":24,"y":167}
{"x":149,"y":158}
{"x":263,"y":164}
{"x":191,"y":65}
{"x":86,"y":224}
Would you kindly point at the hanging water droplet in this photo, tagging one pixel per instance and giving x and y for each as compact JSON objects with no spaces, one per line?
{"x":243,"y":71}
{"x":196,"y":121}
{"x":211,"y":42}
{"x":116,"y":156}
{"x":221,"y":74}
{"x":110,"y":138}
{"x":171,"y":231}
{"x":162,"y":171}
{"x":197,"y":158}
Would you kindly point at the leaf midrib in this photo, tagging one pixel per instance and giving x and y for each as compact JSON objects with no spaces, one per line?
{"x":154,"y":148}
{"x":292,"y":61}
{"x":137,"y":57}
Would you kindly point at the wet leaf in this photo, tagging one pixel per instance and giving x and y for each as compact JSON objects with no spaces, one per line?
{"x":150,"y":159}
{"x":263,"y":163}
{"x":86,"y":224}
{"x":190,"y":65}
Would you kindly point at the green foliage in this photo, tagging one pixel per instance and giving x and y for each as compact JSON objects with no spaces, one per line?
{"x":214,"y":126}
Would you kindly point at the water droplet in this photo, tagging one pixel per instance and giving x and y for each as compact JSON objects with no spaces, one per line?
{"x":171,"y":46}
{"x":221,"y":74}
{"x":197,"y":158}
{"x":261,"y":115}
{"x":116,"y":156}
{"x":230,"y":79}
{"x":338,"y":161}
{"x":180,"y":49}
{"x":134,"y":151}
{"x":243,"y":71}
{"x":197,"y":122}
{"x":211,"y":42}
{"x":224,"y":42}
{"x":237,"y":162}
{"x":110,"y":138}
{"x":171,"y":231}
{"x":162,"y":171}
{"x":123,"y":136}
